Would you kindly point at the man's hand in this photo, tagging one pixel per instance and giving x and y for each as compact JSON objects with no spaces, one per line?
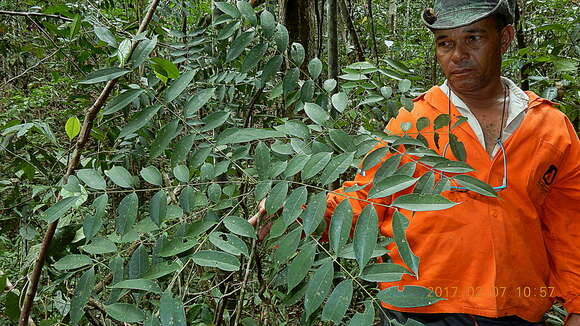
{"x":265,"y":229}
{"x":261,"y":211}
{"x":573,"y":320}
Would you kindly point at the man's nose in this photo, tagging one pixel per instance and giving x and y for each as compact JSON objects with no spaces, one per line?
{"x":459,"y":53}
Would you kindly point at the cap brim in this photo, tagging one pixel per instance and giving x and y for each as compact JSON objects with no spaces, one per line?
{"x":460,"y":18}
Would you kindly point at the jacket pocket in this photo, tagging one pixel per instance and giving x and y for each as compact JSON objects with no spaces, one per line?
{"x":544,"y":171}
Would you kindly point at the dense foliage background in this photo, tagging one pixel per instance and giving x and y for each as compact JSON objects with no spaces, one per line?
{"x":211,"y":108}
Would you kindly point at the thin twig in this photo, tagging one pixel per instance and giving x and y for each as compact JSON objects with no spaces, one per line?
{"x":31,"y":67}
{"x":28,"y":14}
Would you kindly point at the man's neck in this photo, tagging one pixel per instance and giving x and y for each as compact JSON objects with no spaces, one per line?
{"x":483,"y":98}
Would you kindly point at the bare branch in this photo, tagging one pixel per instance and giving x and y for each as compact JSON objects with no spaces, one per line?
{"x":28,"y":14}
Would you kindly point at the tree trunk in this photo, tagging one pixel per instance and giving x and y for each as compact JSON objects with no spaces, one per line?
{"x":373,"y":36}
{"x":332,"y":40}
{"x":521,"y":39}
{"x":298,"y":19}
{"x":352,"y":30}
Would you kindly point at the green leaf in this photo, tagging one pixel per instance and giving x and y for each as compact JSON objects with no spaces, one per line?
{"x":139,"y":120}
{"x":177,"y":246}
{"x":161,"y":269}
{"x":122,"y":100}
{"x":300,"y":266}
{"x":171,"y":310}
{"x":317,"y":288}
{"x":143,"y":51}
{"x":423,"y":202}
{"x":297,"y":53}
{"x":254,"y":56}
{"x":336,"y":167}
{"x":385,"y":272}
{"x":316,"y":113}
{"x":294,"y":203}
{"x":281,"y":38}
{"x":296,"y":164}
{"x":475,"y":185}
{"x":262,"y":159}
{"x":83,"y":291}
{"x":453,"y":167}
{"x":388,"y":168}
{"x":72,"y":127}
{"x":218,"y":259}
{"x":158,"y":207}
{"x":425,"y":183}
{"x":287,"y":247}
{"x":340,"y":225}
{"x":123,"y":51}
{"x":365,"y":235}
{"x":290,"y":81}
{"x":329,"y":85}
{"x":441,"y":121}
{"x":262,"y":189}
{"x":99,"y":246}
{"x":75,"y":27}
{"x":239,"y":226}
{"x":239,"y":45}
{"x":247,"y":12}
{"x":229,"y":243}
{"x":277,"y":197}
{"x":105,"y":35}
{"x":411,"y":296}
{"x":268,"y":23}
{"x":338,"y":302}
{"x":138,"y":263}
{"x":214,"y":120}
{"x":162,"y":65}
{"x":314,"y":212}
{"x":57,"y":210}
{"x":151,"y":174}
{"x":120,"y":176}
{"x":235,"y":135}
{"x":125,"y":312}
{"x":391,"y":185}
{"x":339,"y":101}
{"x":404,"y":85}
{"x":374,"y":158}
{"x":104,"y":75}
{"x":343,"y":140}
{"x":228,"y":30}
{"x":364,"y":319}
{"x":164,"y":137}
{"x":399,"y":225}
{"x":271,"y":68}
{"x":227,"y":9}
{"x":72,"y":261}
{"x":457,"y":147}
{"x":138,"y":284}
{"x":127,"y":213}
{"x":315,"y":164}
{"x":179,"y":85}
{"x":182,"y":148}
{"x":197,"y":101}
{"x":315,"y":68}
{"x":181,"y":173}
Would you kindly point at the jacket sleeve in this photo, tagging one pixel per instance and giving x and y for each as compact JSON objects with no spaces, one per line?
{"x":562,"y":226}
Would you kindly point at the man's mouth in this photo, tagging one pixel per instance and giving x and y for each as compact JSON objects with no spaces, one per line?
{"x":461,"y":71}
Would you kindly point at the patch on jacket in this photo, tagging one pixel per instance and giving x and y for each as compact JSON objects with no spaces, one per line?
{"x":549,"y":176}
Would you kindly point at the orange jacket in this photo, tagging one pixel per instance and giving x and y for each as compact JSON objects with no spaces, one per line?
{"x":511,"y":255}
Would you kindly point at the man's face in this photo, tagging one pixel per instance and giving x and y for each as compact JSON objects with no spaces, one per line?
{"x":470,"y":56}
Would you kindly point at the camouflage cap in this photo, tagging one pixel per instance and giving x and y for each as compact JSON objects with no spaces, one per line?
{"x":449,"y":14}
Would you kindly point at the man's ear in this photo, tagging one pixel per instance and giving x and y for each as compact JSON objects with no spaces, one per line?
{"x":507,"y":35}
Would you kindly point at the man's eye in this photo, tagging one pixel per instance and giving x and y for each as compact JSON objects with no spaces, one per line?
{"x":474,"y":38}
{"x":443,"y":44}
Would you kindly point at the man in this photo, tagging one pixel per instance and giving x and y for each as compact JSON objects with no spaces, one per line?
{"x":503,"y":260}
